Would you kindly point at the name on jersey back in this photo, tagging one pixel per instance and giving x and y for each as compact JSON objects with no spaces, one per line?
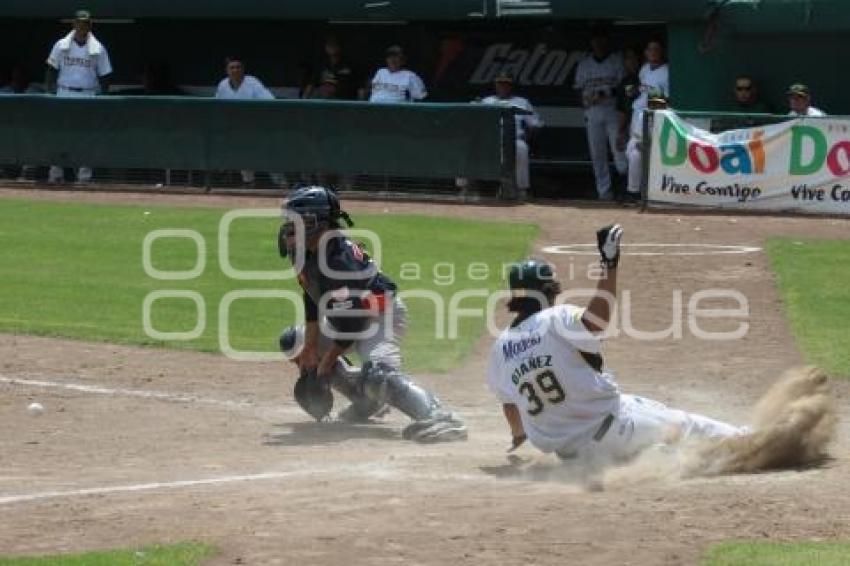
{"x":513,"y":348}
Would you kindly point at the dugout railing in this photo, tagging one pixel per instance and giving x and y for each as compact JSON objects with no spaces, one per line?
{"x":173,"y":142}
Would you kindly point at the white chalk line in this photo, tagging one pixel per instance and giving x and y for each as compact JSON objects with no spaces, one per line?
{"x":121,"y":392}
{"x":700,"y":249}
{"x":379,"y":473}
{"x":149,"y":486}
{"x":277,"y":410}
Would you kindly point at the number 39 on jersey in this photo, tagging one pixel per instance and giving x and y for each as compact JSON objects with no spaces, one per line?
{"x":540,"y":386}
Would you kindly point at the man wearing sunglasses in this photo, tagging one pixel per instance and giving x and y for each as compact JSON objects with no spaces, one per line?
{"x":350,"y":305}
{"x":747,"y":99}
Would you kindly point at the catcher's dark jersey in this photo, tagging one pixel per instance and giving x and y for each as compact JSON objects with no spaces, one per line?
{"x":350,"y":282}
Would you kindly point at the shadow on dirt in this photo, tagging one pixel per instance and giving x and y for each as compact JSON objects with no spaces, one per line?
{"x":528,"y":469}
{"x":318,"y":434}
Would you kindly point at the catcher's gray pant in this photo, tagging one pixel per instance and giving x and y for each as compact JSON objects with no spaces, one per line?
{"x":380,"y":351}
{"x":641,"y":423}
{"x":382,"y":342}
{"x":384,"y":345}
{"x":603,"y":131}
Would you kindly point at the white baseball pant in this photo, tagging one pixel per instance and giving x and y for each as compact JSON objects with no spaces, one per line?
{"x":523,"y":178}
{"x":635,"y":157}
{"x":641,"y":423}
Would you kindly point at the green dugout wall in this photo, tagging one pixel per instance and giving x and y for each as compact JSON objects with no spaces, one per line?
{"x":348,"y":138}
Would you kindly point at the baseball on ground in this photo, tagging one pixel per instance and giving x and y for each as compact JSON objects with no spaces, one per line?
{"x":35,"y":409}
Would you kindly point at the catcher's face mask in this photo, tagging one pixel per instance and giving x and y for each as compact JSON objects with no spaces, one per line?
{"x":311,"y":223}
{"x":297,"y":231}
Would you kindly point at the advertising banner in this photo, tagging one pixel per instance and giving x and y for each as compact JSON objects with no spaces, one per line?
{"x":802,"y":164}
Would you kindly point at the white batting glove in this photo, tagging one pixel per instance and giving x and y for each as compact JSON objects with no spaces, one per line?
{"x":608,"y":239}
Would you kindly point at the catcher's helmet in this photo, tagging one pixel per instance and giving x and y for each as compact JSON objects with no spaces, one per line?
{"x":318,"y":208}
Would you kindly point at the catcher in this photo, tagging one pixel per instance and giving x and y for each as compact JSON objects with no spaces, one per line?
{"x":549,"y":373}
{"x":350,"y":305}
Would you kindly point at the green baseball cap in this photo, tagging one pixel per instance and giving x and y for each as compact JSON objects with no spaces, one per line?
{"x":798,"y":89}
{"x":82,"y":16}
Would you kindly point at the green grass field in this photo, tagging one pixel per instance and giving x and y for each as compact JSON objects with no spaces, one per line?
{"x":184,"y":554}
{"x":778,"y":554}
{"x":75,"y":270}
{"x":814,"y":278}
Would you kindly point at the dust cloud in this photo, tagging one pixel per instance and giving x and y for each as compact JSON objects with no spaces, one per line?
{"x":793,"y":424}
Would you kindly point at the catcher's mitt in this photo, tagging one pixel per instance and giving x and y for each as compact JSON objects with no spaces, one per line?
{"x":314,"y":394}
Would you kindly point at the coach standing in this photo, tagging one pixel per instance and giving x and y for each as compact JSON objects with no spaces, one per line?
{"x":597,"y":78}
{"x":78,"y":66}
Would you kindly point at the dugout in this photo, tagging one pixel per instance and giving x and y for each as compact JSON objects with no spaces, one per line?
{"x":458,"y":46}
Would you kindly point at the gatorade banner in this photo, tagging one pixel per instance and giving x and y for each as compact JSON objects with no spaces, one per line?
{"x":799,"y":165}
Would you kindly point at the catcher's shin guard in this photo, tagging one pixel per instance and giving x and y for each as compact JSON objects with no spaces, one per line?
{"x":346,"y":381}
{"x":432,"y":423}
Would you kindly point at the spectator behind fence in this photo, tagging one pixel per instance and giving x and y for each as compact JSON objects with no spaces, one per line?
{"x":597,"y":78}
{"x":239,"y":86}
{"x":394,"y":83}
{"x":654,"y":75}
{"x":78,"y":66}
{"x":799,"y":100}
{"x":526,"y":124}
{"x":747,"y":100}
{"x":349,"y":81}
{"x":656,"y":100}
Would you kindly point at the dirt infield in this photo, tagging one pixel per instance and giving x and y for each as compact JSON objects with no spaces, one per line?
{"x":142,"y":446}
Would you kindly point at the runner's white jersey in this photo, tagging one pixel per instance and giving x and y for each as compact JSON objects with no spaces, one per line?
{"x":538,"y":366}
